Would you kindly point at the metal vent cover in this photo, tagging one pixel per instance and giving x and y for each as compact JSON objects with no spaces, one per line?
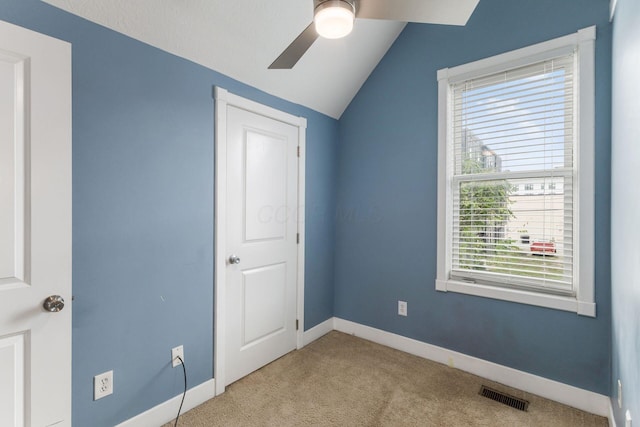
{"x":498,"y":396}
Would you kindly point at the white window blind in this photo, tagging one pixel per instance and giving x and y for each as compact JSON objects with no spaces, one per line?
{"x":513,"y":173}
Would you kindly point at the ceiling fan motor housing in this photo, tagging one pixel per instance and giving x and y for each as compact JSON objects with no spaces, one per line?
{"x":334,"y":18}
{"x":349,"y":3}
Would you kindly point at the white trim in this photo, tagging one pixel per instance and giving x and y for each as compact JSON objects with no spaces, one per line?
{"x":255,"y":107}
{"x":611,"y":416}
{"x":584,"y":400}
{"x":517,"y":58}
{"x":223,"y":99}
{"x":318,"y":331}
{"x":584,"y":301}
{"x":612,"y":9}
{"x":220,"y":221}
{"x":444,"y":204}
{"x":167,"y":411}
{"x":302,"y":143}
{"x":557,"y":302}
{"x":585,"y":177}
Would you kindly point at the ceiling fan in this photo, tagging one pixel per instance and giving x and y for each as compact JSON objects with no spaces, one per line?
{"x":335,"y":18}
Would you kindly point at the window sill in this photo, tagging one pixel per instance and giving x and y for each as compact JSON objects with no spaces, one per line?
{"x":556,"y":302}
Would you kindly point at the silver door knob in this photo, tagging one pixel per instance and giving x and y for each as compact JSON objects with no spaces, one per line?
{"x":234,"y":259}
{"x":53,"y":303}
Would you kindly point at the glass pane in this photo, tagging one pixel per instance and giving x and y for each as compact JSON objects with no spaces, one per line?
{"x":521,"y":120}
{"x":515,"y":227}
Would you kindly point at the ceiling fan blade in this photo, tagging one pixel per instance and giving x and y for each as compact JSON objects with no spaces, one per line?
{"x":296,"y":49}
{"x":448,"y":12}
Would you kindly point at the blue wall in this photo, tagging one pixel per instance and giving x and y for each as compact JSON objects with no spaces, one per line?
{"x":625,"y":210}
{"x":143,"y":182}
{"x":386,"y":227}
{"x":143,"y":207}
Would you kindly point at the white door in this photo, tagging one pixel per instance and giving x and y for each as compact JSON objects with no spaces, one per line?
{"x":35,"y":228}
{"x":262,"y":227}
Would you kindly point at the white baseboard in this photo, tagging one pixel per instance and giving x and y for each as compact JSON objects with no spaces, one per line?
{"x":167,"y":411}
{"x":584,"y":400}
{"x":317,"y":331}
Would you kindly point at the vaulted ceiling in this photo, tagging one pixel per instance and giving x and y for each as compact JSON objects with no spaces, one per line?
{"x":240,"y":38}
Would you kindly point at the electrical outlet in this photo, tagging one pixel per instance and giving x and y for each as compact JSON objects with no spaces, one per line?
{"x":619,"y":394}
{"x":402,"y":308}
{"x":627,"y":419}
{"x":175,"y":352}
{"x":102,"y":385}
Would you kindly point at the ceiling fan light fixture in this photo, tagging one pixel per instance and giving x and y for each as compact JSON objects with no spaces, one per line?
{"x":334,"y":18}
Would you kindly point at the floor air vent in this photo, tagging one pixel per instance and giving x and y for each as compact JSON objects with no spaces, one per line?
{"x":514,"y":402}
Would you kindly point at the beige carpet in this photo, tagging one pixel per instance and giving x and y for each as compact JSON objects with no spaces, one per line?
{"x":341,"y":380}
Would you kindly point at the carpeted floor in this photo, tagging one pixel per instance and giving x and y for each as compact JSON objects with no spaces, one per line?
{"x":342,"y":380}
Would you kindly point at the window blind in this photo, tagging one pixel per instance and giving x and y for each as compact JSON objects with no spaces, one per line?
{"x":513,"y":181}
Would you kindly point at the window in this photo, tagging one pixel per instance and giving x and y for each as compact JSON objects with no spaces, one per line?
{"x":519,"y":120}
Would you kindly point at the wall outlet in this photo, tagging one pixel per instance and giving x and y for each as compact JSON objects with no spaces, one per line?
{"x":619,"y":394}
{"x":175,"y":352}
{"x":102,"y":385}
{"x":402,"y":308}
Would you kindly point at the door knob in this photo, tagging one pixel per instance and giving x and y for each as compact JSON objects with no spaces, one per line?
{"x":53,"y":303}
{"x":234,"y":259}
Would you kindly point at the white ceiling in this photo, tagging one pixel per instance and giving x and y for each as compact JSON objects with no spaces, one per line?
{"x":241,"y":38}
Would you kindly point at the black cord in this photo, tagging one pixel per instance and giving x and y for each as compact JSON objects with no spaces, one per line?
{"x":184,"y":370}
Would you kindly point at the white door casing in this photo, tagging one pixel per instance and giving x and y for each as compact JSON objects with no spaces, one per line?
{"x":259,"y":216}
{"x":35,"y":228}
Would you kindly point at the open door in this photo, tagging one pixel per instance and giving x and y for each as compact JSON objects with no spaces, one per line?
{"x":35,"y":229}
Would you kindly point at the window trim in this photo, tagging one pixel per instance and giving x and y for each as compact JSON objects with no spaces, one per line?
{"x":583,"y":41}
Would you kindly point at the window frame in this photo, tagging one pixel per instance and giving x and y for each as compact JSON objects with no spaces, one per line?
{"x":583,"y":44}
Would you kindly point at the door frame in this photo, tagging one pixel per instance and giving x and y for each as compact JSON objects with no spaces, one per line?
{"x":223,"y":99}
